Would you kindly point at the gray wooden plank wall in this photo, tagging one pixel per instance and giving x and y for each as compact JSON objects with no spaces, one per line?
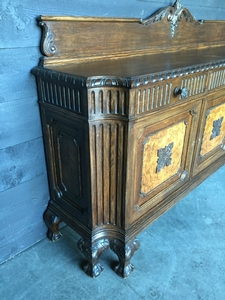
{"x":23,"y":181}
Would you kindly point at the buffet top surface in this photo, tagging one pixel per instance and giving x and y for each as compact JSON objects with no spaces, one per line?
{"x":133,"y":66}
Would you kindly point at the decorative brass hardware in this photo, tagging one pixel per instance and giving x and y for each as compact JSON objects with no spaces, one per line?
{"x":164,"y":157}
{"x":182,"y":92}
{"x":183,"y":175}
{"x":216,"y":128}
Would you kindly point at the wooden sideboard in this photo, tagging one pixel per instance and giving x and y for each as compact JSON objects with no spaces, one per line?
{"x":133,"y":115}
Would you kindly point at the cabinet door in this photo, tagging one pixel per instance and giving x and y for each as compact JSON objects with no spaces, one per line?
{"x":66,"y":141}
{"x":163,"y":149}
{"x":211,"y":137}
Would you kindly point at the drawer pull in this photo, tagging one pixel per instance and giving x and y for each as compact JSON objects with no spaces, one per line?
{"x":182,"y":92}
{"x":183,"y":175}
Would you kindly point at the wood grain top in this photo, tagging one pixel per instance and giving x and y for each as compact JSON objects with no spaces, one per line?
{"x":136,"y":66}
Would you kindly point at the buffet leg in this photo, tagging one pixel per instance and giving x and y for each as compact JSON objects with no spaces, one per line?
{"x":124,"y":253}
{"x":92,"y":252}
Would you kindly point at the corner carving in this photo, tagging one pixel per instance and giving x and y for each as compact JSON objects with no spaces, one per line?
{"x":101,"y":81}
{"x":174,"y":14}
{"x":48,"y":47}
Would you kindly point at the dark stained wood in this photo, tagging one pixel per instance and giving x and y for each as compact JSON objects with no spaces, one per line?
{"x":124,"y":253}
{"x":124,"y":122}
{"x":142,"y":65}
{"x":92,"y":252}
{"x":112,"y":41}
{"x":19,"y":52}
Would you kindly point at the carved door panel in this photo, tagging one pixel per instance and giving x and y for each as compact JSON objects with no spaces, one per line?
{"x":163,"y":152}
{"x":67,"y":146}
{"x":211,"y":138}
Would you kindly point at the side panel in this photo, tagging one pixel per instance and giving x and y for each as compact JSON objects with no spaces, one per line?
{"x":66,"y":141}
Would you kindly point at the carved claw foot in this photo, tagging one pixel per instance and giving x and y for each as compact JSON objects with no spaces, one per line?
{"x":92,"y":253}
{"x":52,"y":222}
{"x":124,"y":253}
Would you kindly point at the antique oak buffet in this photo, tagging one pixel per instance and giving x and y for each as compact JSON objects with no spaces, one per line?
{"x":133,"y":115}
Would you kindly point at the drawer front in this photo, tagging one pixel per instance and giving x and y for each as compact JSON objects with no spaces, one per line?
{"x":195,"y":84}
{"x":152,"y":97}
{"x":216,"y":79}
{"x":163,"y":150}
{"x":211,"y":138}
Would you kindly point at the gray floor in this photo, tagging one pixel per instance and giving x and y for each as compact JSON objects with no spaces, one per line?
{"x":182,"y":257}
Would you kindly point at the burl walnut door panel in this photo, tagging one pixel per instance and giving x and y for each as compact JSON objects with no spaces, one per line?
{"x":67,"y":145}
{"x":211,"y":137}
{"x":163,"y":150}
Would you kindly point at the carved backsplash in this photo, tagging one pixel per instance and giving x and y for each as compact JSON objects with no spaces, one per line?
{"x":174,"y":14}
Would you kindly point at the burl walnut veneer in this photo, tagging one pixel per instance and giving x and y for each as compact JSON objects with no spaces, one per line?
{"x":133,"y":115}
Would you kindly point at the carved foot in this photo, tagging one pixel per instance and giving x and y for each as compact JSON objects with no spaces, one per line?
{"x":52,"y":222}
{"x":92,"y":253}
{"x":124,"y":253}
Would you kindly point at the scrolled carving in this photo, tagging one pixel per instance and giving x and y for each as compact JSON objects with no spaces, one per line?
{"x":174,"y":14}
{"x":48,"y":47}
{"x":124,"y":252}
{"x":92,"y":253}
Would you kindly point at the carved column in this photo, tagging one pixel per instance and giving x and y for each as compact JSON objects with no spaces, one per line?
{"x":108,"y":126}
{"x":124,"y":253}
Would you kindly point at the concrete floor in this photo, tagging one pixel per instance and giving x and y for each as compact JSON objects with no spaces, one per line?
{"x":182,"y":257}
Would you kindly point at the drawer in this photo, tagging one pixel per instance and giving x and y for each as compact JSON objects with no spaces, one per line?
{"x":164,"y":93}
{"x":216,"y":79}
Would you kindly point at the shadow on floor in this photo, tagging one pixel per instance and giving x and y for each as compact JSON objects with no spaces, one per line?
{"x":182,"y":256}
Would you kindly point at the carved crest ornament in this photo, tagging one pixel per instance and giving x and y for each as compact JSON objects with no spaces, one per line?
{"x":174,"y":14}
